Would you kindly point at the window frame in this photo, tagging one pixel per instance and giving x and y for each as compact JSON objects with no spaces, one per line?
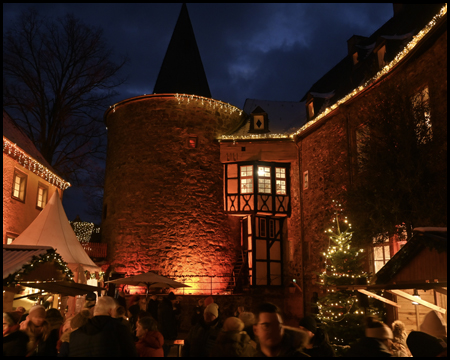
{"x":10,"y":235}
{"x":23,"y":183}
{"x":45,"y":188}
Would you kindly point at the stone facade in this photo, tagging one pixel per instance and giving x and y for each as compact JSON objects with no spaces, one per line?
{"x":163,"y":203}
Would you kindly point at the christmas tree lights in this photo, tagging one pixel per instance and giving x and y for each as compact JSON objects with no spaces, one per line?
{"x":340,"y":311}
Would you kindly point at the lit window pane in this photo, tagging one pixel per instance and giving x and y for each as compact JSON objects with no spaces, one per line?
{"x":280,"y":173}
{"x":263,"y":171}
{"x":264,"y":186}
{"x":281,"y":187}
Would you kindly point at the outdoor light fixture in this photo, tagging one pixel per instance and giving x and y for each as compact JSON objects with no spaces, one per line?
{"x":416,"y":294}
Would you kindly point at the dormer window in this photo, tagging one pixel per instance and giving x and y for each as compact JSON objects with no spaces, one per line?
{"x":259,"y":121}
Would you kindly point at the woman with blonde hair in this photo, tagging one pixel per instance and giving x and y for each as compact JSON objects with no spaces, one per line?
{"x":399,"y":347}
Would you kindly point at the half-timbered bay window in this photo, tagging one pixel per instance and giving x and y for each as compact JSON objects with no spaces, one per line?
{"x":260,"y":188}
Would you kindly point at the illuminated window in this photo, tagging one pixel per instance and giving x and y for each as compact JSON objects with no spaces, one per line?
{"x":264,"y":184}
{"x":10,"y":238}
{"x":381,"y":254}
{"x":246,"y":179}
{"x":421,"y":108}
{"x":280,"y":178}
{"x":42,"y":196}
{"x":19,"y":185}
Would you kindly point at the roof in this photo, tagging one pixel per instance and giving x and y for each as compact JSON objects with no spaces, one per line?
{"x":15,"y":134}
{"x":65,"y":287}
{"x":431,"y":238}
{"x":15,"y":257}
{"x":394,"y":34}
{"x":182,"y":69}
{"x":52,"y":228}
{"x":284,"y":116}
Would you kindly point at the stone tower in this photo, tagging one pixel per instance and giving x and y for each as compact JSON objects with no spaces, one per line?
{"x":163,"y":197}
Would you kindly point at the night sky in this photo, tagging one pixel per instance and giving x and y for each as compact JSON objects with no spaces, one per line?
{"x":260,"y":51}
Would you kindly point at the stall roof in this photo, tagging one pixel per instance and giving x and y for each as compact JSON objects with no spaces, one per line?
{"x":52,"y":228}
{"x":63,"y":287}
{"x":16,"y":256}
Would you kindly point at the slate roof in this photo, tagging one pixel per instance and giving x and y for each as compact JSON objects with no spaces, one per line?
{"x":284,"y":116}
{"x":433,"y":238}
{"x":15,"y":134}
{"x":394,"y":34}
{"x":182,"y":69}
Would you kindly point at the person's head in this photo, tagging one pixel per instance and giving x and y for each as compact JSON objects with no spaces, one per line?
{"x":21,"y":310}
{"x":308,"y":324}
{"x":233,"y":324}
{"x":378,"y":330}
{"x":145,"y":325}
{"x":201,"y":302}
{"x":10,"y":322}
{"x":240,"y":309}
{"x":422,"y":344}
{"x":172,"y":297}
{"x":105,"y":306}
{"x":268,"y":327}
{"x":248,"y":318}
{"x":37,"y":315}
{"x":143,"y":300}
{"x":120,"y":312}
{"x":211,"y":313}
{"x":398,"y":328}
{"x":154,"y":297}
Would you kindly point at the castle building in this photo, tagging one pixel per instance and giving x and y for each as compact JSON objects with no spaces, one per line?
{"x":196,"y":187}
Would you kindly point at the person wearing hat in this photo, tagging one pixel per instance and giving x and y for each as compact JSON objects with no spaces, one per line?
{"x":422,"y":344}
{"x":14,"y":341}
{"x":233,"y":341}
{"x":168,"y":320}
{"x":203,"y":335}
{"x":90,"y":301}
{"x":318,"y":344}
{"x":42,"y":339}
{"x":376,"y":343}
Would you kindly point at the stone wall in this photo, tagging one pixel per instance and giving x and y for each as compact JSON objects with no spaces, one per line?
{"x":163,"y":202}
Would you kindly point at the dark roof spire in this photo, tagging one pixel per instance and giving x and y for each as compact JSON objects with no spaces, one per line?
{"x":182,"y":69}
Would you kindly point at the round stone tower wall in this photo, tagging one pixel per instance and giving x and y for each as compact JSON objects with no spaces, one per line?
{"x":163,"y":198}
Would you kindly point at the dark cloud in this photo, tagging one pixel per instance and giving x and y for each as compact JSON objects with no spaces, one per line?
{"x":262,"y":51}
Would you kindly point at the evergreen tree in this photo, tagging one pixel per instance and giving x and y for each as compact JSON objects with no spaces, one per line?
{"x":342,"y":312}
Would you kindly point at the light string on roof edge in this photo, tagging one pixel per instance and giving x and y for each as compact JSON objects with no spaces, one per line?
{"x":33,"y":165}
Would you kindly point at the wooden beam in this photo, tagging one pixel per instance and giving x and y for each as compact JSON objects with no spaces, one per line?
{"x":378,"y":297}
{"x":420,"y":301}
{"x":441,"y":290}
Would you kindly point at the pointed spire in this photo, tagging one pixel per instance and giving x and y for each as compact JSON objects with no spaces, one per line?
{"x":182,"y":69}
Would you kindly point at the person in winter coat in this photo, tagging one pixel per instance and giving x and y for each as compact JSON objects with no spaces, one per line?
{"x":422,"y":344}
{"x":167,"y":320}
{"x":202,"y":337}
{"x":102,"y":335}
{"x":274,"y":338}
{"x":152,"y":306}
{"x":198,"y":312}
{"x":14,"y":341}
{"x":399,"y":347}
{"x":376,"y":343}
{"x":151,"y":341}
{"x":71,"y":325}
{"x":42,"y":339}
{"x":318,"y":344}
{"x":248,"y":318}
{"x":232,"y":341}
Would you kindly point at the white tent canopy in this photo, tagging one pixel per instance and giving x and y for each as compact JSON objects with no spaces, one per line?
{"x":52,"y":228}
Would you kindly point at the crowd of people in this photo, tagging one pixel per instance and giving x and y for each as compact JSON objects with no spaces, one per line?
{"x":148,"y":327}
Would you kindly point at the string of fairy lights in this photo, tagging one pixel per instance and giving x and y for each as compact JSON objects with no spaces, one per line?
{"x":213,"y":104}
{"x":84,"y":230}
{"x":25,"y":160}
{"x":385,"y":70}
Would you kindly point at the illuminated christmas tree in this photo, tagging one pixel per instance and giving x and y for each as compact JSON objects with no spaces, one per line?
{"x":341,"y":312}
